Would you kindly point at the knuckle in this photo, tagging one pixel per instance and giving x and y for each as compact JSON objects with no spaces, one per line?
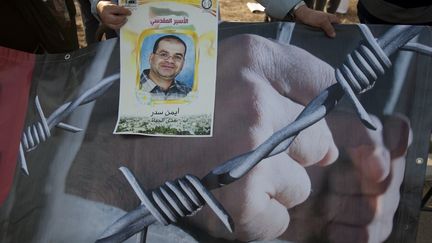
{"x":271,"y":225}
{"x":312,"y":145}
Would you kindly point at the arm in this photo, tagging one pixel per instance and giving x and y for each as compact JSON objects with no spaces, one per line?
{"x":110,"y":14}
{"x":280,"y":9}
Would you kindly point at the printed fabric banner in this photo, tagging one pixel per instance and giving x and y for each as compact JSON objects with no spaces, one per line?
{"x":168,"y":68}
{"x":315,"y":139}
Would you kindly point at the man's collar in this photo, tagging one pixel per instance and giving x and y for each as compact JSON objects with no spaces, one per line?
{"x":147,"y":85}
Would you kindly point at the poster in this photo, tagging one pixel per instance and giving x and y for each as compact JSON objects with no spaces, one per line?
{"x":338,"y":182}
{"x":168,"y":68}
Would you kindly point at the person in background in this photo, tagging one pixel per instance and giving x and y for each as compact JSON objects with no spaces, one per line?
{"x":300,"y":12}
{"x":93,"y":30}
{"x":329,"y":5}
{"x":415,"y":12}
{"x":91,"y":24}
{"x":39,"y":26}
{"x":109,"y":13}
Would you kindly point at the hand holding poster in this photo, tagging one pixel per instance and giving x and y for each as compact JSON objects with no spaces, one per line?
{"x":168,"y":68}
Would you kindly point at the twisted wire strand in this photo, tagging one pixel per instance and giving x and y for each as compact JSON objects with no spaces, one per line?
{"x":39,"y":131}
{"x":237,"y":167}
{"x":419,"y":48}
{"x":88,"y":96}
{"x":355,"y":67}
{"x":166,"y":204}
{"x":125,"y":227}
{"x":397,"y":37}
{"x":187,"y":195}
{"x":353,"y":77}
{"x":183,"y":197}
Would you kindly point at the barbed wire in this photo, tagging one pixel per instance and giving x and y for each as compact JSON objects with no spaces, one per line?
{"x":39,"y":131}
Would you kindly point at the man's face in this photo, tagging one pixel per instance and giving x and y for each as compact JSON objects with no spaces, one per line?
{"x":168,"y":60}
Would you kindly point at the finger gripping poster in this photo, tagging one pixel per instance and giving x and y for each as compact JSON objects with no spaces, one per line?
{"x":168,"y":55}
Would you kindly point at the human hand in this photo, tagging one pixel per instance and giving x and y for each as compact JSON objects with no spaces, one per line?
{"x":112,"y":15}
{"x":355,"y":199}
{"x":317,"y":19}
{"x":256,"y":96}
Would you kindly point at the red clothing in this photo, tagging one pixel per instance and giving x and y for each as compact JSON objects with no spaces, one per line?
{"x":16,"y":70}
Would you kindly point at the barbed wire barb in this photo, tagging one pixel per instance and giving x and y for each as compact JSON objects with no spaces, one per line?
{"x":39,"y":132}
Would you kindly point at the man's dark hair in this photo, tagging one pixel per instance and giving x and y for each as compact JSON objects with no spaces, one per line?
{"x":168,"y":37}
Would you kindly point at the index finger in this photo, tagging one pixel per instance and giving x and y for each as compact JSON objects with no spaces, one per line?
{"x":365,"y":147}
{"x":118,"y":10}
{"x":333,"y":19}
{"x":328,"y":28}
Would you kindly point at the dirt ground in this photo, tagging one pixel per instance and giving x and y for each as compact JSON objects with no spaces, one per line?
{"x":234,"y":11}
{"x":237,"y":11}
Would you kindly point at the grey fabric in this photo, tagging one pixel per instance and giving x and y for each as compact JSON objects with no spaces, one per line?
{"x":74,"y":189}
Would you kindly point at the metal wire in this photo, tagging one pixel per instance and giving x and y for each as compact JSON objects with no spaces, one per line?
{"x":426,"y":50}
{"x":174,"y":200}
{"x":39,"y":131}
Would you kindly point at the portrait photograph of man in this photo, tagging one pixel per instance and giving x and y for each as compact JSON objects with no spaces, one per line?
{"x":167,"y":66}
{"x":168,"y":71}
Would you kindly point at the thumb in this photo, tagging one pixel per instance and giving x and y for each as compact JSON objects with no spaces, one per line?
{"x":289,"y":182}
{"x":273,"y":186}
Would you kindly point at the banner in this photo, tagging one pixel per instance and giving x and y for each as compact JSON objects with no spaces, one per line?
{"x":326,"y":177}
